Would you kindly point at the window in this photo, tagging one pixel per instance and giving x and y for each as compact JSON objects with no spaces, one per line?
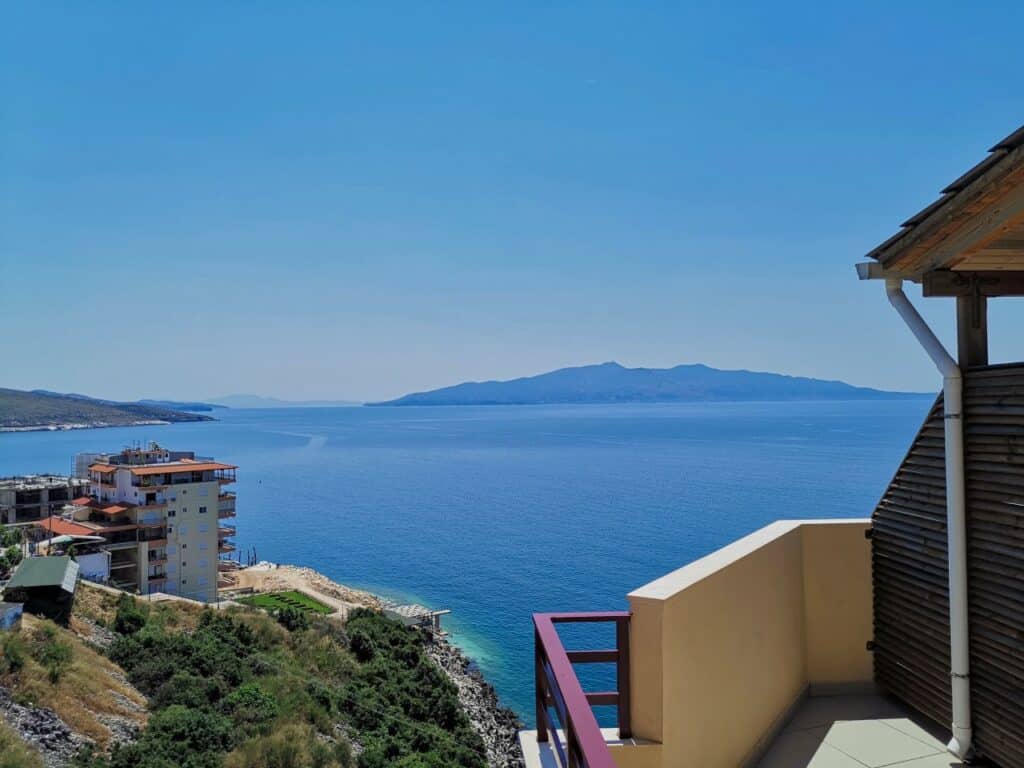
{"x":203,"y":528}
{"x":204,"y":563}
{"x":202,"y":510}
{"x":182,"y":530}
{"x":202,"y":581}
{"x":170,"y":529}
{"x":171,"y":513}
{"x":204,"y":491}
{"x":203,"y":545}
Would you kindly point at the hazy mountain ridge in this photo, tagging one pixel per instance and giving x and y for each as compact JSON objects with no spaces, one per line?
{"x":613,"y":383}
{"x":259,"y":401}
{"x":42,"y":409}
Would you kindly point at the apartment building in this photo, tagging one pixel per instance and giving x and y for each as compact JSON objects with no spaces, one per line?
{"x":161,"y":516}
{"x":32,"y":497}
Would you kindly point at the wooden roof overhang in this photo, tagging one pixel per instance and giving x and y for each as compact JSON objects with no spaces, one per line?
{"x":971,"y":240}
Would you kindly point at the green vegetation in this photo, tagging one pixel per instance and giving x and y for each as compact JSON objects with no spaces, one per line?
{"x":276,"y":601}
{"x":34,"y":409}
{"x":243,"y":689}
{"x":10,"y":549}
{"x":14,"y":753}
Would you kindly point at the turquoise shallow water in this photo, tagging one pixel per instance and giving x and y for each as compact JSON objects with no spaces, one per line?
{"x":496,"y":512}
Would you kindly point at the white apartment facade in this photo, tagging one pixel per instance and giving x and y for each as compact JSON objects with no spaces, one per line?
{"x":163,"y":515}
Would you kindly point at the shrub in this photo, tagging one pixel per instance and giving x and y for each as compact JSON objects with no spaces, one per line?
{"x":51,"y":651}
{"x":362,"y":645}
{"x":293,"y":619}
{"x":189,"y":690}
{"x":12,"y":653}
{"x":130,"y":618}
{"x":250,"y":705}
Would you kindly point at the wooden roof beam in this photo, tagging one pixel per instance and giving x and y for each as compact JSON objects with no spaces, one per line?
{"x":987,"y":283}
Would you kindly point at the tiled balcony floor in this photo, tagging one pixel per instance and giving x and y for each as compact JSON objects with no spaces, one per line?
{"x":858,"y":731}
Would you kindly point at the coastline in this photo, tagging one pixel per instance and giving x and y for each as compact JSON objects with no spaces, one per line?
{"x":94,"y":425}
{"x":497,"y":725}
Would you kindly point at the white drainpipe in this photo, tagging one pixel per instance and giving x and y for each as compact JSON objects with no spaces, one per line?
{"x":956,"y":514}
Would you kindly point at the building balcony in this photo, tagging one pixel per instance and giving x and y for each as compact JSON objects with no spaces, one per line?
{"x":721,"y":662}
{"x":226,"y":505}
{"x":227,"y":566}
{"x":155,"y":542}
{"x":225,"y":546}
{"x":224,"y":531}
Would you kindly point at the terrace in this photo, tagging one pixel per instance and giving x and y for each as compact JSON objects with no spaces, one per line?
{"x":785,"y":612}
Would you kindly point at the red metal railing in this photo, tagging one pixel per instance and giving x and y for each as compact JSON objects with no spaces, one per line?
{"x":559,"y":690}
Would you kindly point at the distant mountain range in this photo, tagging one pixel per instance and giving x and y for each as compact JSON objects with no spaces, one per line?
{"x":41,"y":409}
{"x":257,"y":401}
{"x":613,"y":383}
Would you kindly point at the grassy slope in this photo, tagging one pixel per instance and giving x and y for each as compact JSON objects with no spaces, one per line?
{"x":14,"y":753}
{"x":89,"y":687}
{"x":29,"y":409}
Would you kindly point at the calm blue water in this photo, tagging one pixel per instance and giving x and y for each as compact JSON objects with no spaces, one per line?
{"x":496,"y":512}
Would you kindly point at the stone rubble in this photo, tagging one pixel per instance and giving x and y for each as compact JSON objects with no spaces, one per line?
{"x":42,"y":729}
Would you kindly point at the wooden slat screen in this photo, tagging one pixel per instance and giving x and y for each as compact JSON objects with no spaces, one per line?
{"x":911,"y":590}
{"x":910,"y":577}
{"x":994,"y":450}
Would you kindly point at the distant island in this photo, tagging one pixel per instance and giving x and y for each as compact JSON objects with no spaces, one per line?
{"x":613,"y":383}
{"x":258,"y":401}
{"x":22,"y":411}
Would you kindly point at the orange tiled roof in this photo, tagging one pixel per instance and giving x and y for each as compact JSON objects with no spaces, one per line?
{"x":114,"y":509}
{"x":61,"y":527}
{"x":180,"y":466}
{"x":82,"y":501}
{"x":104,"y":468}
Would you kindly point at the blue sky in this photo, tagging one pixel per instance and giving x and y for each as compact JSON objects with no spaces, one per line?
{"x":340,"y":200}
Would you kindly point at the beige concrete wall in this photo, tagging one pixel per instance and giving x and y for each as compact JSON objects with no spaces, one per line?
{"x":837,"y":602}
{"x":722,"y":648}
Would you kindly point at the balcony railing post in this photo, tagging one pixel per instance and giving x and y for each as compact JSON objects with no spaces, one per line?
{"x":540,"y":688}
{"x":622,"y":677}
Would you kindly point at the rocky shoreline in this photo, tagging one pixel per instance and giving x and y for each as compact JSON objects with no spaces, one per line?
{"x":497,"y":725}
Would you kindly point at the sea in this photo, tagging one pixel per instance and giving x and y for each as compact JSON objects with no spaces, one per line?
{"x":496,"y":512}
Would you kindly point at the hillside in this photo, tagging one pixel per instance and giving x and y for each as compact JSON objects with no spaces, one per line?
{"x":612,"y":383}
{"x":238,"y":688}
{"x":41,"y":410}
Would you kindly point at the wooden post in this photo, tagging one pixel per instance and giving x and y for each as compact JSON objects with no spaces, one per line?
{"x":972,"y":329}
